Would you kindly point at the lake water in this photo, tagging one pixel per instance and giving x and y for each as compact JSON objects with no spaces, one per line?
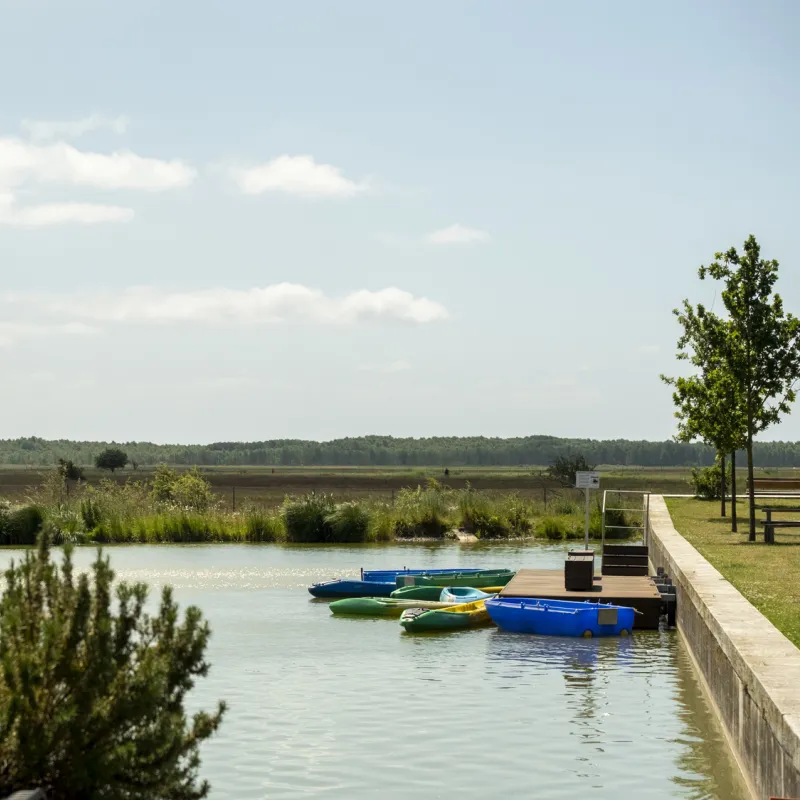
{"x":322,"y":707}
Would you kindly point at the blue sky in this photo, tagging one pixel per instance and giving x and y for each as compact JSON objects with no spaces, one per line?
{"x":249,"y":220}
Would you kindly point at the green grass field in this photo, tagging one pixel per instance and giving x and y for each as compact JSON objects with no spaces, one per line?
{"x":765,"y":574}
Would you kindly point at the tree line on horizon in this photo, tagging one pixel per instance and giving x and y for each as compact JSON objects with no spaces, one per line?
{"x":388,"y":451}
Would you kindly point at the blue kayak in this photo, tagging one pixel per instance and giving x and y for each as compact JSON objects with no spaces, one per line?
{"x":386,"y":575}
{"x":559,"y":617}
{"x":463,"y":594}
{"x":344,"y":587}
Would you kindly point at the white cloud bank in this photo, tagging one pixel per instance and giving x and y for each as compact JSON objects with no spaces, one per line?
{"x":23,"y":162}
{"x":13,"y":332}
{"x":298,"y":175}
{"x":45,"y":214}
{"x":458,"y":234}
{"x":42,"y":130}
{"x":283,"y":302}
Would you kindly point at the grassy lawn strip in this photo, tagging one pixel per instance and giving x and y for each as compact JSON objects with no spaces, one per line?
{"x":767,"y":575}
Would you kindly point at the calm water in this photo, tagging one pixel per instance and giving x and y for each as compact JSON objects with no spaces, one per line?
{"x":343,"y":708}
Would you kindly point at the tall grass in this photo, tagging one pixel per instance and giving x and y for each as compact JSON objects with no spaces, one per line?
{"x":138,"y":512}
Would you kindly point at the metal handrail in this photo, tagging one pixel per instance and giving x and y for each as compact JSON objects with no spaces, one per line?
{"x":645,"y":512}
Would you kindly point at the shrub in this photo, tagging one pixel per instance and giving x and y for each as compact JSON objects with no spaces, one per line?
{"x":22,"y":525}
{"x":92,"y":688}
{"x":490,"y":526}
{"x":706,"y":482}
{"x":163,"y":480}
{"x":193,"y":491}
{"x":348,"y":522}
{"x":553,"y":528}
{"x":306,"y":519}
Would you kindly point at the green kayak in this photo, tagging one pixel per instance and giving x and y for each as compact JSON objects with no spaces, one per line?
{"x":468,"y":615}
{"x":417,"y":593}
{"x":382,"y":606}
{"x":477,"y":580}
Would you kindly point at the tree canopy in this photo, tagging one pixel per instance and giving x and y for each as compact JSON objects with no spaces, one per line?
{"x":111,"y":458}
{"x":378,"y":451}
{"x":92,"y":687}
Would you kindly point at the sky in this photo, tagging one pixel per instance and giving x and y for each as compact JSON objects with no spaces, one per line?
{"x":249,"y":220}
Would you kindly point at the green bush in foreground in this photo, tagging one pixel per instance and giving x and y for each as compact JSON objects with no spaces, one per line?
{"x":92,"y":687}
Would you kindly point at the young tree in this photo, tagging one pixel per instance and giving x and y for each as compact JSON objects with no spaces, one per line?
{"x":761,"y":345}
{"x":92,"y":687}
{"x":111,"y":458}
{"x":563,"y":468}
{"x":710,"y":403}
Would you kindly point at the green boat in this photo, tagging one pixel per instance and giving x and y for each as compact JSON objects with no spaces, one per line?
{"x":467,"y":615}
{"x":477,"y":580}
{"x":382,"y":606}
{"x":417,"y":593}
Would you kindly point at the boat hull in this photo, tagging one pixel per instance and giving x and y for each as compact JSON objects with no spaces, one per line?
{"x":559,"y":617}
{"x":351,"y":588}
{"x":381,"y":606}
{"x":467,"y":615}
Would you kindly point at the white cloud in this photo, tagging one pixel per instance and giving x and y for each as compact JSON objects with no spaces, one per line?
{"x":41,"y":130}
{"x":37,"y":216}
{"x":283,"y":302}
{"x":299,"y":175}
{"x":13,"y":332}
{"x":23,"y":162}
{"x":458,"y":234}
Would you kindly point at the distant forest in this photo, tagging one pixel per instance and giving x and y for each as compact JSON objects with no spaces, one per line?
{"x":386,"y":451}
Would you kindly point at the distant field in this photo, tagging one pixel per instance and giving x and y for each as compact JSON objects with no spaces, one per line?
{"x":268,"y":485}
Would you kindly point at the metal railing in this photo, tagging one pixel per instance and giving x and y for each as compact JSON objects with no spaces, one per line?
{"x":644,"y":511}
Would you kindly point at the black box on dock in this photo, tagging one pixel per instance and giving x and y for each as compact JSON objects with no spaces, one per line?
{"x":579,"y":571}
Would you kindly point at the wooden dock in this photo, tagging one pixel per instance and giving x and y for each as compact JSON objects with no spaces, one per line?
{"x":637,"y":591}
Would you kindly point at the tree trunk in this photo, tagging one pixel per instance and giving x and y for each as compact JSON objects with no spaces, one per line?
{"x":722,"y":484}
{"x":734,"y":523}
{"x":751,"y":489}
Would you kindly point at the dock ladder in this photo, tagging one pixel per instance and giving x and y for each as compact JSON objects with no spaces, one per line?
{"x":620,"y":506}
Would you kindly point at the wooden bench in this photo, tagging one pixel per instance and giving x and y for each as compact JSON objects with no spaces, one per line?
{"x":770,"y":524}
{"x":625,"y":559}
{"x":788,"y":486}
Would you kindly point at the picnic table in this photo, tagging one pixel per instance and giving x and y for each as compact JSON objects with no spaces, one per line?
{"x":770,"y":524}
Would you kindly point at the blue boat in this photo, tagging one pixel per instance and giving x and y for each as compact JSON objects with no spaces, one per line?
{"x":463,"y":594}
{"x":385,"y":575}
{"x":560,"y":617}
{"x":345,"y":587}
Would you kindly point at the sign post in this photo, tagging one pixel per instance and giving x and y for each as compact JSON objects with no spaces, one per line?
{"x":587,"y":481}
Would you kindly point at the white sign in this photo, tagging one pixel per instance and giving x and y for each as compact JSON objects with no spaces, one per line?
{"x":587,"y":480}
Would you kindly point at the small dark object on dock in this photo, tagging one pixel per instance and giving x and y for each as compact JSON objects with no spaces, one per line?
{"x":579,"y":571}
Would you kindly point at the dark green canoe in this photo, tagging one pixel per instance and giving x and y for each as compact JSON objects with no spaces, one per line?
{"x":477,"y":580}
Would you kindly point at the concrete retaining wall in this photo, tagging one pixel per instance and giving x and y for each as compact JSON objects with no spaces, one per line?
{"x":751,"y":670}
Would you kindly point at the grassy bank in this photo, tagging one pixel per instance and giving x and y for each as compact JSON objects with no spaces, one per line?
{"x":182,"y":507}
{"x":765,"y":574}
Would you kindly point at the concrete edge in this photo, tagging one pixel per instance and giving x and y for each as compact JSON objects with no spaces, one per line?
{"x":765,"y":662}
